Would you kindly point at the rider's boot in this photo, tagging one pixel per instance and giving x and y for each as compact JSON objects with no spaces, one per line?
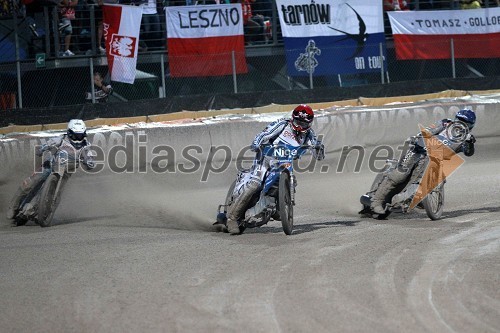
{"x":378,"y":198}
{"x":14,"y":203}
{"x":232,"y":226}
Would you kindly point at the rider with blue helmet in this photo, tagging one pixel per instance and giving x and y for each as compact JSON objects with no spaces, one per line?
{"x":415,"y":160}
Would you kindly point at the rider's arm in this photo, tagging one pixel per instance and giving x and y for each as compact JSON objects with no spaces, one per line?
{"x":50,"y":146}
{"x":433,"y":129}
{"x":439,"y":126}
{"x":272,"y":131}
{"x":319,"y":148}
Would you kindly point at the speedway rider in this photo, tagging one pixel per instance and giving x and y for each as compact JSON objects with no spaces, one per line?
{"x":74,"y":143}
{"x":295,"y":131}
{"x":415,"y":160}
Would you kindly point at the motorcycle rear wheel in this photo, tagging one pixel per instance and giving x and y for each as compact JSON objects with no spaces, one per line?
{"x":434,"y":203}
{"x":47,"y":204}
{"x":285,"y":203}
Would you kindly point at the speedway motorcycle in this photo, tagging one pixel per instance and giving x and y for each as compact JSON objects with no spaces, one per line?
{"x":400,"y":199}
{"x":276,"y":197}
{"x":40,"y":204}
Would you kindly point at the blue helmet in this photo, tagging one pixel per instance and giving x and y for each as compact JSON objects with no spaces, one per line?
{"x":467,"y":116}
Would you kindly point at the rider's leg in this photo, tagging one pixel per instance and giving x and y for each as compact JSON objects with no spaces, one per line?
{"x":26,"y":187}
{"x":416,"y":175}
{"x":391,"y":181}
{"x":243,"y":192}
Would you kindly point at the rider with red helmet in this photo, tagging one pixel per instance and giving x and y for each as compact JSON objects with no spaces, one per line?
{"x":295,"y":131}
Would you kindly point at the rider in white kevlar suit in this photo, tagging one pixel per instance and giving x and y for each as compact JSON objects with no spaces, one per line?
{"x":74,"y":143}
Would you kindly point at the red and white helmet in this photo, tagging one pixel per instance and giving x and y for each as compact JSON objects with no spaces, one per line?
{"x":302,"y":118}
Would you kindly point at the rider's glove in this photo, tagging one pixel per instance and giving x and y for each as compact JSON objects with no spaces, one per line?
{"x":89,"y":165}
{"x":470,"y":138}
{"x":319,"y":151}
{"x":255,"y":147}
{"x":468,"y":145}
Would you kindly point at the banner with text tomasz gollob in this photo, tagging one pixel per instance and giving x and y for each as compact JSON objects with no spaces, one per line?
{"x":429,"y":34}
{"x":328,"y":37}
{"x":202,"y":40}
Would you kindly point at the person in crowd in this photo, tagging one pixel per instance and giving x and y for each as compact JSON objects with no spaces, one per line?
{"x":253,"y":24}
{"x":391,"y":5}
{"x":67,"y":14}
{"x":102,"y":89}
{"x":151,"y":31}
{"x":470,"y":4}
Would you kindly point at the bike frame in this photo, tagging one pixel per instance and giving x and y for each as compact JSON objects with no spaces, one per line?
{"x":282,"y":157}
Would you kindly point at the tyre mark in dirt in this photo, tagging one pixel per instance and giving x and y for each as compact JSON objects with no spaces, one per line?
{"x":447,"y":283}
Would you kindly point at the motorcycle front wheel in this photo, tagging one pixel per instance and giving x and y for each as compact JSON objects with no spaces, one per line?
{"x":285,"y":203}
{"x":434,"y":203}
{"x":47,"y":204}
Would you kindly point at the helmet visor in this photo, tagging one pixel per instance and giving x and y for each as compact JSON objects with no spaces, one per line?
{"x":76,"y":136}
{"x":301,"y":124}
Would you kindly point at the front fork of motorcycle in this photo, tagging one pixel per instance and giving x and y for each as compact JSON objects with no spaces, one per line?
{"x":293,"y":185}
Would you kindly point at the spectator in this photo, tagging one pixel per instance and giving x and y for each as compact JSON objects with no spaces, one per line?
{"x":391,"y":5}
{"x":34,"y":7}
{"x":150,"y":25}
{"x":470,"y":4}
{"x":102,"y":89}
{"x":253,"y":24}
{"x":67,"y":11}
{"x":100,"y":30}
{"x":263,"y":7}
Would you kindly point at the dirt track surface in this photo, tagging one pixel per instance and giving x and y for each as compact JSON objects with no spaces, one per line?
{"x":137,"y":253}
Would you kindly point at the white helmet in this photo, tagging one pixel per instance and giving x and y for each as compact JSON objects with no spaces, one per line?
{"x":77,"y":131}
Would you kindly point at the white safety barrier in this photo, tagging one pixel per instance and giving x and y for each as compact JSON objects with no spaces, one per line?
{"x":212,"y":138}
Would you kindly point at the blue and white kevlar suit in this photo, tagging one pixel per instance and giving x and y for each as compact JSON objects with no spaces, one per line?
{"x":415,"y":161}
{"x":249,"y":181}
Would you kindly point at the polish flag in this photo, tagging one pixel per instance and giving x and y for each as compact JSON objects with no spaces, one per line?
{"x":121,"y":31}
{"x":205,"y":40}
{"x":429,"y":34}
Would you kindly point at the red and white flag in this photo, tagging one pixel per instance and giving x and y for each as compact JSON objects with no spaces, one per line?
{"x":429,"y":34}
{"x":204,"y":40}
{"x":121,"y":32}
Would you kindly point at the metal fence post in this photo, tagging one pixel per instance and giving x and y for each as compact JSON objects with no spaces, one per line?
{"x":93,"y":42}
{"x":18,"y":62}
{"x":235,"y":83}
{"x":162,"y":68}
{"x":57,"y":35}
{"x":46,"y":22}
{"x":452,"y":49}
{"x":382,"y":68}
{"x":92,"y":88}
